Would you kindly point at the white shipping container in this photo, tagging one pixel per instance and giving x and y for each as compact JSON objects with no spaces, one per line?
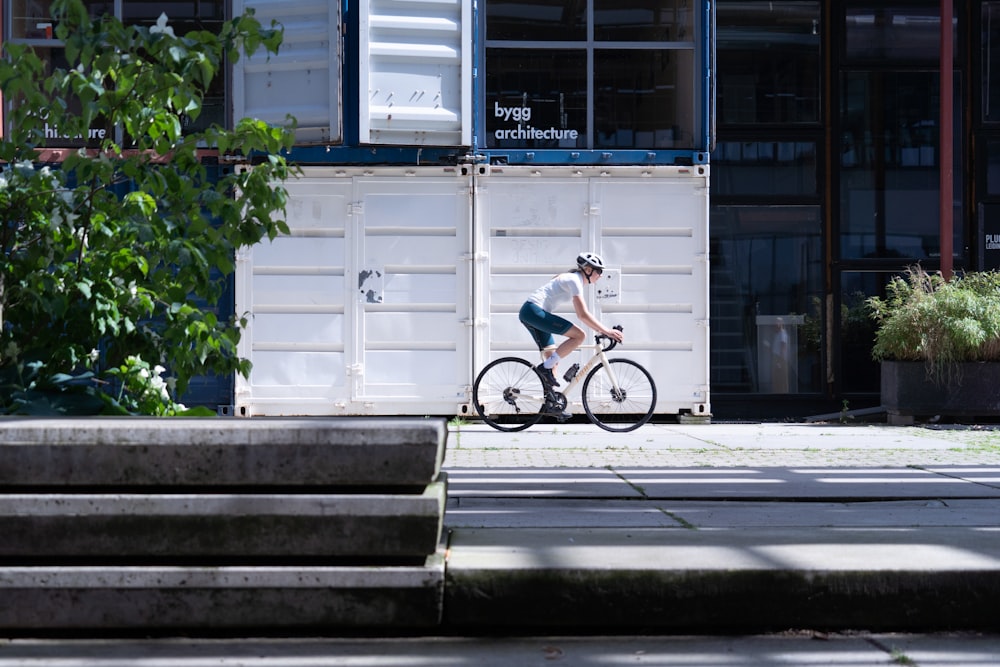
{"x":304,"y":79}
{"x":364,"y":307}
{"x":415,"y":72}
{"x":650,"y":225}
{"x":397,"y":284}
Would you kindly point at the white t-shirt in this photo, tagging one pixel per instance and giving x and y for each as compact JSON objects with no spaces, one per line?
{"x":557,"y":291}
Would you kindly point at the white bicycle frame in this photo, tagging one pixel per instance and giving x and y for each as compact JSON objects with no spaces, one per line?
{"x":599,"y":357}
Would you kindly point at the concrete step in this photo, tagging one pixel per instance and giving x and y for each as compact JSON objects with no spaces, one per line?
{"x":164,"y":526}
{"x":216,"y":452}
{"x":220,"y":524}
{"x":656,"y":580}
{"x":196,"y":600}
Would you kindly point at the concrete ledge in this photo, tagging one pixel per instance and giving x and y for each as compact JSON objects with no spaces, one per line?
{"x":222,"y":525}
{"x":131,"y":451}
{"x":162,"y":599}
{"x":681,"y":580}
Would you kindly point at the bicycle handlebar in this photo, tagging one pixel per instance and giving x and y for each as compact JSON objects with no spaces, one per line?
{"x":612,"y":343}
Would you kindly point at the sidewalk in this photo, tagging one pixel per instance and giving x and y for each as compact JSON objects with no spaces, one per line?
{"x":678,"y":545}
{"x":721,"y":528}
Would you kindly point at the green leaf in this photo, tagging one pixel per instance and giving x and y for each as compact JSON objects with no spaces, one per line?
{"x":126,"y":261}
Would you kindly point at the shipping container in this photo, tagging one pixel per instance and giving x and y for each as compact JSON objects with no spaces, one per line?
{"x":396,"y":284}
{"x":444,"y":178}
{"x":455,"y":155}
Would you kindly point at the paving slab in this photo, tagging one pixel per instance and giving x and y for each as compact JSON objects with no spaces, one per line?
{"x":724,"y":483}
{"x":472,"y":512}
{"x":862,"y":514}
{"x":814,"y":549}
{"x":725,"y":436}
{"x":723,"y":445}
{"x":551,"y":483}
{"x":985,"y":475}
{"x":824,"y":482}
{"x":801,"y":436}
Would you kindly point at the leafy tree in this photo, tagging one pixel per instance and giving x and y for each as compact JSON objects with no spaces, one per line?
{"x":111,"y":263}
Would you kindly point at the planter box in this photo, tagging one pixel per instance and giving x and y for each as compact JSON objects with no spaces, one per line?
{"x":969,"y":390}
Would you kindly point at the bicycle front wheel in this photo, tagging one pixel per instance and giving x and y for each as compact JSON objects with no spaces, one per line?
{"x":625,"y":407}
{"x":509,"y":394}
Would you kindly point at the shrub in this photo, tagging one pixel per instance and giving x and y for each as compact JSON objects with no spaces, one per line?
{"x":927,"y":318}
{"x":111,"y":264}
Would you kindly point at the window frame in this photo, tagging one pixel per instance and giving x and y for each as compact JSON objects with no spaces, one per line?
{"x":590,"y":45}
{"x":118,"y":11}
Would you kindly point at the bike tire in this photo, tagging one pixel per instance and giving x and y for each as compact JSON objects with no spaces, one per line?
{"x":622,"y":412}
{"x":509,"y":394}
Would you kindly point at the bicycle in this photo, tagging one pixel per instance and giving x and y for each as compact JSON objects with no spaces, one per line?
{"x":619,"y":395}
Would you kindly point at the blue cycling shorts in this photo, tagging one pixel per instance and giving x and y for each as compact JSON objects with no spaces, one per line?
{"x":541,"y":324}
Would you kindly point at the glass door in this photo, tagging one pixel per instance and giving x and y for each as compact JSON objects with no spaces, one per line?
{"x":886,"y":166}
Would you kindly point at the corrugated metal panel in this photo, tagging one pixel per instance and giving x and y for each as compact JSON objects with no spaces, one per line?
{"x":651,"y":226}
{"x":303,"y":79}
{"x":397,"y":284}
{"x":415,"y":72}
{"x":364,"y":308}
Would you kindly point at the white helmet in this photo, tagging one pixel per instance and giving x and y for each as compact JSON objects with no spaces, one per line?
{"x":590,"y":259}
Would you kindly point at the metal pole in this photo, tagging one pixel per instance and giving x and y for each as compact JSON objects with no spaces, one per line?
{"x":946,"y":142}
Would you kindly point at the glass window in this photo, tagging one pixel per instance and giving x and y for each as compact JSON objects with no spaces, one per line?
{"x":30,"y":21}
{"x":890,"y":183}
{"x":643,"y":98}
{"x":881,"y":33}
{"x":993,"y":167}
{"x":991,"y":61}
{"x":582,"y":75}
{"x":536,"y":20}
{"x":536,"y":99}
{"x":767,"y":268}
{"x":765,"y":168}
{"x":183,"y":15}
{"x":643,"y":20}
{"x":768,"y":56}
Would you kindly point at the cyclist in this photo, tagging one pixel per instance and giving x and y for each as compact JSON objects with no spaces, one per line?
{"x":537,"y":316}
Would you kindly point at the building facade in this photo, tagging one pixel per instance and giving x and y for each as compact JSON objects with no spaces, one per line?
{"x":813,"y":124}
{"x":825,"y":176}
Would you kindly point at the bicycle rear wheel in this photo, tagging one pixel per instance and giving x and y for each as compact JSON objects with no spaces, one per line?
{"x":623,"y":409}
{"x":509,"y":394}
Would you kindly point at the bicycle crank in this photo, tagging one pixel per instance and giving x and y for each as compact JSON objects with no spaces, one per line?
{"x":556,"y":401}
